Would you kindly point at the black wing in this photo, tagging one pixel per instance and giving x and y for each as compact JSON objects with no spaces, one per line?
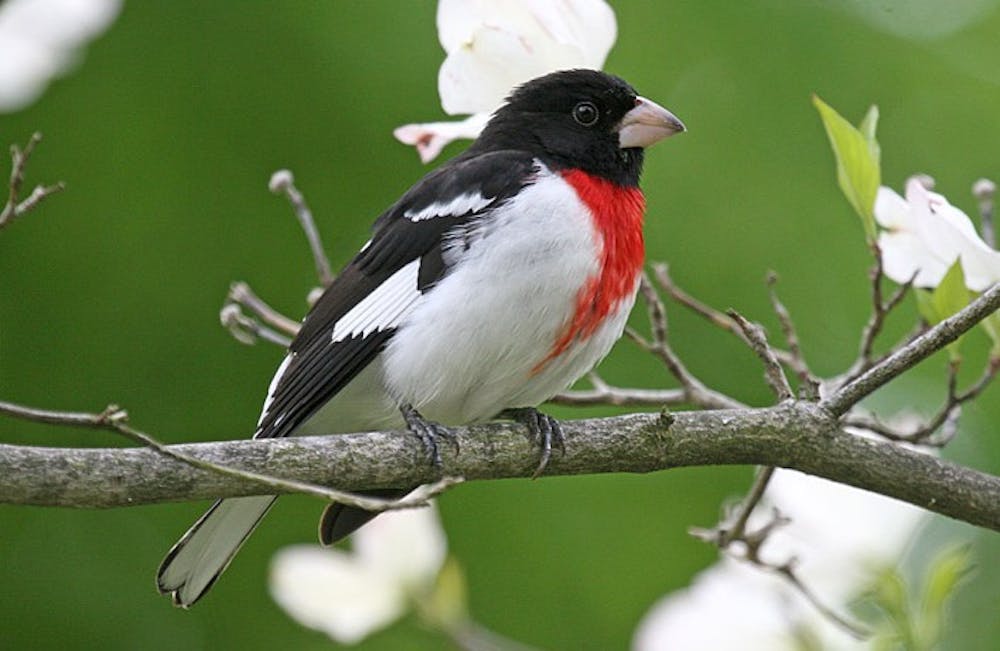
{"x":323,"y":357}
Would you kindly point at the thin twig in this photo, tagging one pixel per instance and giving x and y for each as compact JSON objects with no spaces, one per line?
{"x":737,"y":530}
{"x":985,"y":190}
{"x":265,"y":323}
{"x":14,"y":207}
{"x":695,"y":391}
{"x":715,"y":317}
{"x":621,"y":397}
{"x":115,"y":419}
{"x":240,"y":292}
{"x":745,"y":546}
{"x":678,"y":295}
{"x":248,"y":330}
{"x":798,"y":359}
{"x":924,"y":346}
{"x":603,"y":393}
{"x":880,"y":310}
{"x":773,"y":372}
{"x":282,"y":182}
{"x":787,"y":571}
{"x":856,"y":369}
{"x":945,"y":420}
{"x":100,"y":420}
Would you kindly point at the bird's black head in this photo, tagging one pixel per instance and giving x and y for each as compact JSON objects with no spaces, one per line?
{"x":582,"y":119}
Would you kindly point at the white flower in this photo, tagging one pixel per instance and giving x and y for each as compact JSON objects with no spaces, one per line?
{"x":841,"y":537}
{"x":39,"y":40}
{"x":348,"y":595}
{"x":924,"y":235}
{"x":494,"y":45}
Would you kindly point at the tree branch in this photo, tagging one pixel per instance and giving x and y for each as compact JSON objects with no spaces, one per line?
{"x":796,"y":435}
{"x":15,"y":206}
{"x":921,"y":348}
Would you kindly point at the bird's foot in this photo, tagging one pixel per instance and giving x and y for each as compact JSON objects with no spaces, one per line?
{"x":428,"y":432}
{"x":545,"y":432}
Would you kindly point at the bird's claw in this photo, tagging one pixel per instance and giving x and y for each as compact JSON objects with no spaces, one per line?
{"x":544,"y":430}
{"x":428,"y":432}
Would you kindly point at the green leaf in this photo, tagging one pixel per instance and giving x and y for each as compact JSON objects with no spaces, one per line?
{"x":925,"y":305}
{"x":857,"y":153}
{"x":946,"y":573}
{"x":991,"y":325}
{"x":890,"y":595}
{"x":948,"y":298}
{"x":867,"y":128}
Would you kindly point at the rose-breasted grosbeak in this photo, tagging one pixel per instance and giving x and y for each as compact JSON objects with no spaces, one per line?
{"x":491,"y":285}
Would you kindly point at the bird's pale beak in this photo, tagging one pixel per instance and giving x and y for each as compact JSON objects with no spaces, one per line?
{"x":646,"y":124}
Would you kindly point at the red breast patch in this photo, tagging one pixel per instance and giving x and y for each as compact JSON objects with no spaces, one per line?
{"x":617,"y":214}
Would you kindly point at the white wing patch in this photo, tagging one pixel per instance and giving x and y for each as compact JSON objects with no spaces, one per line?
{"x":463,"y":204}
{"x":384,"y":308}
{"x":273,"y":387}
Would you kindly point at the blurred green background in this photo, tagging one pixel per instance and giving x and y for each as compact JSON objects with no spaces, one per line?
{"x":166,"y":136}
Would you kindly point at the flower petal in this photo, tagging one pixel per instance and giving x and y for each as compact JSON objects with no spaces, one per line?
{"x":927,"y":234}
{"x":980,"y":263}
{"x":904,"y":254}
{"x":841,"y":536}
{"x":477,"y":76}
{"x":329,"y":591}
{"x":728,"y":606}
{"x":494,"y":46}
{"x":406,"y":547}
{"x":431,"y":137}
{"x":588,"y":24}
{"x":838,"y":533}
{"x":39,"y":39}
{"x":891,"y":210}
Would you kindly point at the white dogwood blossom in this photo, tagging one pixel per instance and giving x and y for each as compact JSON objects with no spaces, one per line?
{"x":494,"y":45}
{"x":394,"y":560}
{"x":40,"y":39}
{"x":841,"y":536}
{"x":924,"y":235}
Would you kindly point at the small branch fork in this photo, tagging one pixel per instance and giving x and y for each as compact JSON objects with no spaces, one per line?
{"x":939,"y":430}
{"x":249,"y":318}
{"x":748,"y":550}
{"x":881,"y":309}
{"x":264,"y":322}
{"x":16,"y":207}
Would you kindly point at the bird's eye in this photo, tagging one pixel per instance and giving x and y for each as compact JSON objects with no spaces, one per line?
{"x":586,"y":113}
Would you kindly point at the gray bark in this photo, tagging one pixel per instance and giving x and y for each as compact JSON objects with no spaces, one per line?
{"x":800,"y":435}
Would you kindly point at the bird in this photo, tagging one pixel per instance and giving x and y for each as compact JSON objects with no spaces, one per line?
{"x":492,"y":284}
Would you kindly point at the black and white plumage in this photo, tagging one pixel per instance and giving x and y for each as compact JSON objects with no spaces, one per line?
{"x":492,"y":284}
